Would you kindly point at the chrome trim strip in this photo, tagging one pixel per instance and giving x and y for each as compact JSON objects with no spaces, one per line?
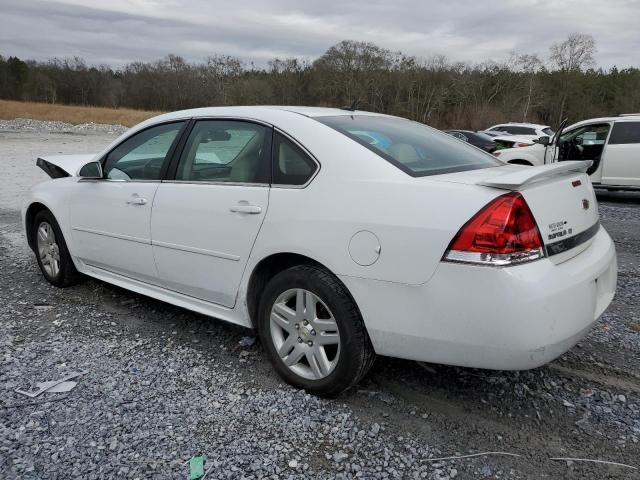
{"x":116,"y":180}
{"x":112,"y":235}
{"x":199,"y":251}
{"x":572,"y":242}
{"x":232,"y":184}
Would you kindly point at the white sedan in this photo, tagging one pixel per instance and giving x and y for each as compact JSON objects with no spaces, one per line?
{"x":336,"y":234}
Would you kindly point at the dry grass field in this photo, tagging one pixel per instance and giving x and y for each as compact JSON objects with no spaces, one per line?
{"x":10,"y":110}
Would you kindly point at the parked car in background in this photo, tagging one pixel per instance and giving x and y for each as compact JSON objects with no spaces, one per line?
{"x":336,"y":234}
{"x":530,"y":130}
{"x":507,"y":140}
{"x":480,"y":140}
{"x":612,"y":144}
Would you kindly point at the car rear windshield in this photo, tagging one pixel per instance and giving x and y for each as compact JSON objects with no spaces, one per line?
{"x":414,"y":148}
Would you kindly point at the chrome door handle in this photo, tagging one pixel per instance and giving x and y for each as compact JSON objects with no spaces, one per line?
{"x":137,"y":201}
{"x":251,"y":209}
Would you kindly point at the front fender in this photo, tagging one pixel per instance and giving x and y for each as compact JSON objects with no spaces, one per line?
{"x":52,"y":195}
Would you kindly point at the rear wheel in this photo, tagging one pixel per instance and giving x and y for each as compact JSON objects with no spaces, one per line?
{"x":312,"y":331}
{"x":51,"y":251}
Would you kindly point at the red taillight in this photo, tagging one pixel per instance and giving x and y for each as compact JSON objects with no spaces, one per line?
{"x":502,"y":233}
{"x":518,"y":145}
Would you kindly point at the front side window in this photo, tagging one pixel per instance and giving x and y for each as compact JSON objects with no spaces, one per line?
{"x":142,"y":155}
{"x":226,"y":151}
{"x":548,"y":132}
{"x":583,"y":143}
{"x":625,"y":133}
{"x":414,"y":148}
{"x":292,"y":165}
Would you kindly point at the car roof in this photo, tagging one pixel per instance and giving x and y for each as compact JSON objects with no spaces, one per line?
{"x":258,"y":109}
{"x":624,"y":118}
{"x":516,"y":124}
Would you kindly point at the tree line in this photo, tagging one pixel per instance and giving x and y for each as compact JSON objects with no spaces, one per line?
{"x":434,"y":90}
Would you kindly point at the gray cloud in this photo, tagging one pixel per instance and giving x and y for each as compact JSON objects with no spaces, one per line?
{"x":120,"y":31}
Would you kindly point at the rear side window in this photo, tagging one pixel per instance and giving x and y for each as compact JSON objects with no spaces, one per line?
{"x":414,"y":148}
{"x":521,"y":130}
{"x":292,"y":165}
{"x":226,"y":151}
{"x":625,"y":132}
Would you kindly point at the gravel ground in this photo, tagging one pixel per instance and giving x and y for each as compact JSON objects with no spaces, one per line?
{"x":164,"y":384}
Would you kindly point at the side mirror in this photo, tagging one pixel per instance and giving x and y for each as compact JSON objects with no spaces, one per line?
{"x":92,"y":170}
{"x":544,"y":140}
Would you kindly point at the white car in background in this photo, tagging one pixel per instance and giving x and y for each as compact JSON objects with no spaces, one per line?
{"x":532,"y":131}
{"x":337,"y":234}
{"x":610,"y":144}
{"x":506,"y":140}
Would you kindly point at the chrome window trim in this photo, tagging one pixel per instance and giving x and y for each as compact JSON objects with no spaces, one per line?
{"x":207,"y":182}
{"x":306,"y":150}
{"x":117,"y":180}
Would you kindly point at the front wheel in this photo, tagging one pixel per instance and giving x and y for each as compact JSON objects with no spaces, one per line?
{"x":51,"y":251}
{"x":312,"y":331}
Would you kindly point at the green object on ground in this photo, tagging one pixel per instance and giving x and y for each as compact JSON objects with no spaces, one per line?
{"x":196,"y":468}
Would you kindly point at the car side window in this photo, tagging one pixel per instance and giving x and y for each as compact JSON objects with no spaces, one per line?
{"x":141,"y":156}
{"x":459,"y":136}
{"x":292,"y":165}
{"x":226,"y":151}
{"x":625,"y":133}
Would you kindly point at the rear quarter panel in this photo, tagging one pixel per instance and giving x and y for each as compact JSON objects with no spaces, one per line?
{"x":413,"y":218}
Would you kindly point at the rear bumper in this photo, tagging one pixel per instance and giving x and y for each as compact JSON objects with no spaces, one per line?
{"x":512,"y":318}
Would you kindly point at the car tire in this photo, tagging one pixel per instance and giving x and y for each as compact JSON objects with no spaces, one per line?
{"x":323,"y":369}
{"x":51,"y":251}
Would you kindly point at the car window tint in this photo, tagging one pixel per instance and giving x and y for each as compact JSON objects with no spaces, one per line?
{"x":225,"y":151}
{"x":292,"y":165}
{"x":141,"y":156}
{"x":625,"y":132}
{"x":416,"y":149}
{"x":458,"y":135}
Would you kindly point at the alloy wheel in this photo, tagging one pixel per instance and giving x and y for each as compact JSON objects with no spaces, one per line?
{"x":48,"y":249}
{"x":305,"y":334}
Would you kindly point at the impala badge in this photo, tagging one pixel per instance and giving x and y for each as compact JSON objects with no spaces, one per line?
{"x":585,"y":204}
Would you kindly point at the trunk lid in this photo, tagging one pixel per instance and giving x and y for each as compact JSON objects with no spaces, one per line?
{"x":560,"y":197}
{"x":58,"y":166}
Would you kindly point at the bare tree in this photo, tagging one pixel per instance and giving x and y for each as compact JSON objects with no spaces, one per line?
{"x":530,"y":65}
{"x":574,"y":54}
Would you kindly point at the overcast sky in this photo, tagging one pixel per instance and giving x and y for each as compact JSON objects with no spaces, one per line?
{"x":120,"y":31}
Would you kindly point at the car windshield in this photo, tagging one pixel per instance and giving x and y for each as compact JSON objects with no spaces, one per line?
{"x":414,"y":148}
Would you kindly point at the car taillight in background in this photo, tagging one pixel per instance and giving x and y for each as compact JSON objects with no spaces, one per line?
{"x":518,"y":145}
{"x":503,"y":233}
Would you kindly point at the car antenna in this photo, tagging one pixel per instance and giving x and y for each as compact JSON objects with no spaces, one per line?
{"x":353,"y":105}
